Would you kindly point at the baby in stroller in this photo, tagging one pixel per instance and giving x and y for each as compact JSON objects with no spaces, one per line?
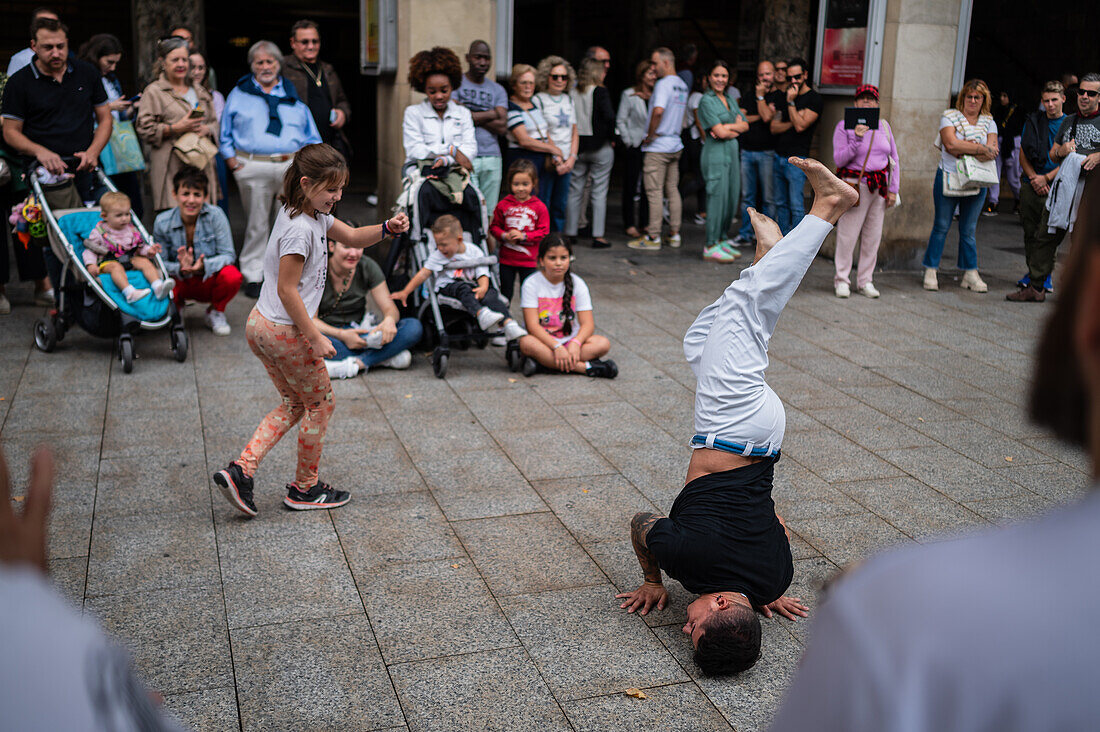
{"x":115,"y":246}
{"x":469,"y":286}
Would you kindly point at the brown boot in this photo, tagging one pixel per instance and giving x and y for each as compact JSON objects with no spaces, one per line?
{"x":1027,"y":294}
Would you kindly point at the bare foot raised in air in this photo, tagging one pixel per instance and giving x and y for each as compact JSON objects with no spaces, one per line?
{"x":832,"y":196}
{"x":767,"y":233}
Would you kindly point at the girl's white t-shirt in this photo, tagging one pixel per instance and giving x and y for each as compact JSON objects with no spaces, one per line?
{"x":304,"y":235}
{"x":537,"y":292}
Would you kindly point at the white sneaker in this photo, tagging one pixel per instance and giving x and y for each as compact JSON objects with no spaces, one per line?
{"x":674,"y":241}
{"x":164,"y":289}
{"x":868,"y":290}
{"x":842,"y":289}
{"x":513,"y":330}
{"x":215,"y":321}
{"x":498,"y":340}
{"x":645,"y":244}
{"x":487,"y":318}
{"x":971,"y":281}
{"x":400,"y":361}
{"x":5,"y":304}
{"x":136,"y":294}
{"x":718,"y":254}
{"x":44,"y":297}
{"x":345,"y":369}
{"x":930,"y":282}
{"x":700,"y":220}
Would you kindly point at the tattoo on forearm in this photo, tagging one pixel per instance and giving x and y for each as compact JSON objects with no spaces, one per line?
{"x":639,"y":527}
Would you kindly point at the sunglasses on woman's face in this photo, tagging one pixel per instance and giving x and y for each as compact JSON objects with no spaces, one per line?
{"x":559,"y":77}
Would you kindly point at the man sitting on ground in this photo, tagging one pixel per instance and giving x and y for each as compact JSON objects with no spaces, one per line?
{"x":722,"y":538}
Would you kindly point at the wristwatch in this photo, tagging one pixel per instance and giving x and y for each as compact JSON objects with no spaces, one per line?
{"x":790,"y":103}
{"x":759,"y":98}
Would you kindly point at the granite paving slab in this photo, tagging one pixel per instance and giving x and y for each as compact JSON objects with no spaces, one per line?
{"x":617,"y":651}
{"x":429,"y":609}
{"x":676,"y":707}
{"x":526,"y":553}
{"x":496,"y":691}
{"x":594,"y":508}
{"x":377,"y":531}
{"x":173,"y":652}
{"x":335,"y":670}
{"x":275,"y":572}
{"x":209,"y":709}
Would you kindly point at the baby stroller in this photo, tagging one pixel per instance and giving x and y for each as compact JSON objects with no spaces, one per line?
{"x":94,"y":302}
{"x":449,"y":323}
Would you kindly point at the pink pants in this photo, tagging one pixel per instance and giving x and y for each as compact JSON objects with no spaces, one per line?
{"x":866,"y":217}
{"x":302,"y":381}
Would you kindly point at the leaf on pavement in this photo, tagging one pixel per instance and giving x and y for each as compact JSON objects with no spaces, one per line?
{"x":636,"y":693}
{"x":1008,"y":458}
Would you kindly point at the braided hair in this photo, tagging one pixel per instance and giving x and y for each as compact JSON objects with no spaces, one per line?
{"x":550,"y":241}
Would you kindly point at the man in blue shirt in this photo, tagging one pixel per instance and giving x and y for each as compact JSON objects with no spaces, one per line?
{"x":488,"y":105}
{"x":1040,"y":130}
{"x":263,"y":124}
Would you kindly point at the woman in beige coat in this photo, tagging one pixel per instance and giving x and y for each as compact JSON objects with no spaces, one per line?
{"x":171,"y":107}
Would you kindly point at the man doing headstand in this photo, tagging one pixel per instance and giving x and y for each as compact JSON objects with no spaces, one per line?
{"x":722,"y":538}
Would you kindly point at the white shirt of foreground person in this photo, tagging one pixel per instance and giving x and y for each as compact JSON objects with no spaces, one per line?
{"x":58,"y":671}
{"x":995,"y":632}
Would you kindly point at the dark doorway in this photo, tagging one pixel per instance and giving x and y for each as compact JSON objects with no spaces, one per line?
{"x":84,"y":19}
{"x":234,"y":25}
{"x":1016,"y":45}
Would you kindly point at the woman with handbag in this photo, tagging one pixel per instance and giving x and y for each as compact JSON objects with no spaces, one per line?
{"x":968,"y":135}
{"x":868,"y":161}
{"x":554,"y":77}
{"x":104,"y":51}
{"x":528,"y":133}
{"x":176,"y":120}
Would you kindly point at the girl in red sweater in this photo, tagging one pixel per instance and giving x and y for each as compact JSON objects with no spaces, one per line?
{"x":519,"y":223}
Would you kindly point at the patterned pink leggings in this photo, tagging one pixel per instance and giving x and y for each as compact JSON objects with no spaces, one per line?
{"x":303,"y":382}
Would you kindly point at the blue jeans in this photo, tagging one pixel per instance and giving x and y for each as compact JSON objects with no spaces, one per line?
{"x":408,"y":335}
{"x":756,"y":171}
{"x":554,"y":192}
{"x":970,"y":207}
{"x":789,"y":182}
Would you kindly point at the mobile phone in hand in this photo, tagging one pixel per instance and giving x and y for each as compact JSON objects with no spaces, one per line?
{"x":197,"y":114}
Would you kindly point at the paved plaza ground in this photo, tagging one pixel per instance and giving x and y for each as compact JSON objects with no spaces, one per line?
{"x":470,"y":582}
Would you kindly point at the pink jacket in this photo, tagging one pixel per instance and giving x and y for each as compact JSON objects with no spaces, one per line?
{"x":849,"y":151}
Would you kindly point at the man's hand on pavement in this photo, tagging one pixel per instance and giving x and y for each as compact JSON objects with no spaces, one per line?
{"x":789,"y":607}
{"x":648,"y":596}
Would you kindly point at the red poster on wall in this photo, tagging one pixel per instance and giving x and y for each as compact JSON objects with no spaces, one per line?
{"x":842,"y":56}
{"x":844,"y":42}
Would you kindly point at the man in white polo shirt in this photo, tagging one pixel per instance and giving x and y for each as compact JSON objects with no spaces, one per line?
{"x":662,"y":147}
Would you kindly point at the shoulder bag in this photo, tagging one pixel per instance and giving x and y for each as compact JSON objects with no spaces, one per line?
{"x":855,"y":183}
{"x":192,"y":148}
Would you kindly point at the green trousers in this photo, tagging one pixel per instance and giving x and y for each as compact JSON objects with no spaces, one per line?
{"x":1040,"y":246}
{"x":721,"y":166}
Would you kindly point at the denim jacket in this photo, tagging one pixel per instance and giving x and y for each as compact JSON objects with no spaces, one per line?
{"x":212,"y":238}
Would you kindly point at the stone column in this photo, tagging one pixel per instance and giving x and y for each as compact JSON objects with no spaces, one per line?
{"x":421,"y":24}
{"x":152,"y":21}
{"x":917,"y":64}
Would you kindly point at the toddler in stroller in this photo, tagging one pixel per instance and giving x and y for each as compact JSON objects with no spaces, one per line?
{"x":458,"y":274}
{"x":115,"y":246}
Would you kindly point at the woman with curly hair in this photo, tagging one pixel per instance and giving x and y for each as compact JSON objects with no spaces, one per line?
{"x":554,"y":78}
{"x":437,"y":132}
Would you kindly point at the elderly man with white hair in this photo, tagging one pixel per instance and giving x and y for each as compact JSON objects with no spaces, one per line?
{"x":263,"y":124}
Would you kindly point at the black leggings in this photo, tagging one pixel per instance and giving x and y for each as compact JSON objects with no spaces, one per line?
{"x":508,"y":274}
{"x":464,"y":290}
{"x":635,"y":213}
